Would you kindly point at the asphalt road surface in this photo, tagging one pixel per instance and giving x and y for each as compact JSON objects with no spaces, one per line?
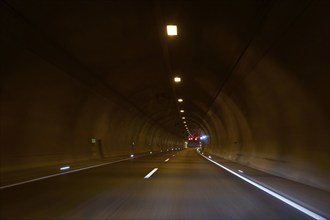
{"x":186,"y":186}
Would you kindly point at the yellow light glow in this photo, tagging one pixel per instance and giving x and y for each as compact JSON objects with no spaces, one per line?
{"x":182,"y":111}
{"x":171,"y":30}
{"x":184,"y":122}
{"x":180,"y":100}
{"x":177,"y":79}
{"x":183,"y":117}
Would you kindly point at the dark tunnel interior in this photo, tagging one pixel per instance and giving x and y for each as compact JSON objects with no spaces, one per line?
{"x":88,"y":80}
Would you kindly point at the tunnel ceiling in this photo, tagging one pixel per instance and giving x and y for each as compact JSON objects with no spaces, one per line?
{"x":124,"y":45}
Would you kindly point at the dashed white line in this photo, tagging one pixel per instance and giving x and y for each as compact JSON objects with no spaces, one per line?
{"x":150,"y":174}
{"x":167,"y":159}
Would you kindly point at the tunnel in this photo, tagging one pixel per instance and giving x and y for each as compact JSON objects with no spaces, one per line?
{"x":90,"y":87}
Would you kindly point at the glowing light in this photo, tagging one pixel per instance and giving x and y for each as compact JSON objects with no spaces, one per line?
{"x":177,"y":79}
{"x":150,"y":152}
{"x":65,"y":168}
{"x":183,"y":117}
{"x":180,"y":100}
{"x":132,"y":155}
{"x":150,"y":174}
{"x":203,"y":137}
{"x":184,"y":122}
{"x":210,"y":157}
{"x":171,"y":30}
{"x":182,"y":111}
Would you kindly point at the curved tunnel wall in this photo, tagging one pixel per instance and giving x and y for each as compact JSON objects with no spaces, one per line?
{"x":273,"y":113}
{"x":48,"y":117}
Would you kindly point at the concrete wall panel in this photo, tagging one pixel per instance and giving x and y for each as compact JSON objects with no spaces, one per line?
{"x":273,"y":114}
{"x":48,"y":117}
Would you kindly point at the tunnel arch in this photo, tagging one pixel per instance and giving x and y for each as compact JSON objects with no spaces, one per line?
{"x":254,"y":75}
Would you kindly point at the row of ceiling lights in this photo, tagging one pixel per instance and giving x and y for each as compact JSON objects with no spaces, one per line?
{"x":172,"y":31}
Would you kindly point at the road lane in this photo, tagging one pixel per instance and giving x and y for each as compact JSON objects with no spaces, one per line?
{"x":185,"y":187}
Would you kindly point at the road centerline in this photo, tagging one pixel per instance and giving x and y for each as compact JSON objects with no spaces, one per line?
{"x":150,"y":173}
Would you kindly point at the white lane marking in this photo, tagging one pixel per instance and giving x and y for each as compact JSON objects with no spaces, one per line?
{"x":150,"y":174}
{"x":167,"y":159}
{"x":58,"y":174}
{"x":278,"y":196}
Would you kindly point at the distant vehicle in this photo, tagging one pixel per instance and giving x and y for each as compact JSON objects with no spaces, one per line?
{"x":193,"y":143}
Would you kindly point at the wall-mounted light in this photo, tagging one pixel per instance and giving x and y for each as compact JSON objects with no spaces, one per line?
{"x":65,"y":168}
{"x":182,"y":111}
{"x":171,"y":30}
{"x":183,"y":117}
{"x":180,"y":100}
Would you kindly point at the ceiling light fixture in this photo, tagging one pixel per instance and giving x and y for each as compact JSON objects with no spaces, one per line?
{"x":177,"y":79}
{"x":171,"y":30}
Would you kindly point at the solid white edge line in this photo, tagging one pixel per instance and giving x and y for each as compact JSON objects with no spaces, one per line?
{"x":167,"y":159}
{"x":278,"y":196}
{"x":72,"y":171}
{"x":150,"y":173}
